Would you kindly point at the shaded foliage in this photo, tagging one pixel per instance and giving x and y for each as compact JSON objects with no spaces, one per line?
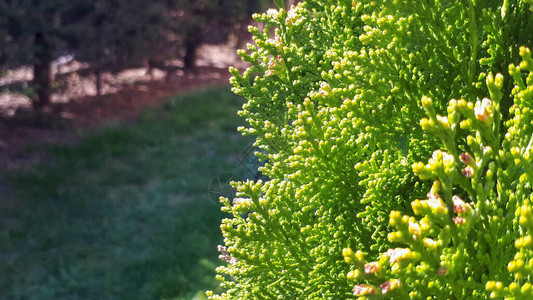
{"x":111,"y":34}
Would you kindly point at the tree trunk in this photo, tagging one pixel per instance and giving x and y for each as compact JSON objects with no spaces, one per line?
{"x":191,"y":45}
{"x":98,"y":79}
{"x":242,"y":35}
{"x":42,"y":73}
{"x":151,"y":64}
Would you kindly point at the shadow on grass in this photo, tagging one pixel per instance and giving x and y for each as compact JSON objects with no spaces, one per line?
{"x":126,"y":214}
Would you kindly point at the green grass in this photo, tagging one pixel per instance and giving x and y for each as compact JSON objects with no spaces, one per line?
{"x":126,"y":214}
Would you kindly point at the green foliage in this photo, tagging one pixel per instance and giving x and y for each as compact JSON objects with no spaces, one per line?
{"x":22,"y":20}
{"x":116,"y":32}
{"x":336,"y":91}
{"x":125,"y":214}
{"x":460,"y":249}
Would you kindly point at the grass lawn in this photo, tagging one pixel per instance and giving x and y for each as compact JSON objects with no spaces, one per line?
{"x":126,"y":214}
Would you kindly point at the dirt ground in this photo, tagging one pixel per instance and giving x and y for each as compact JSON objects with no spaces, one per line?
{"x":76,"y":109}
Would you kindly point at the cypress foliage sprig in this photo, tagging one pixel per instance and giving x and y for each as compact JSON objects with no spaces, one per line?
{"x":457,"y":244}
{"x":336,"y":91}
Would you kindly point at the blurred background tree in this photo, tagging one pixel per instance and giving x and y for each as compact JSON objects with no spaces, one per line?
{"x":111,"y":35}
{"x":32,"y":34}
{"x":205,"y":21}
{"x":115,"y":34}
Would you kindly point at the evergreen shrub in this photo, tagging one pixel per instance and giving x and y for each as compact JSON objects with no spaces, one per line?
{"x":397,"y":140}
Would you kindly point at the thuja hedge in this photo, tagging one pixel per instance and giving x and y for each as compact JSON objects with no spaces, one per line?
{"x":397,"y":140}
